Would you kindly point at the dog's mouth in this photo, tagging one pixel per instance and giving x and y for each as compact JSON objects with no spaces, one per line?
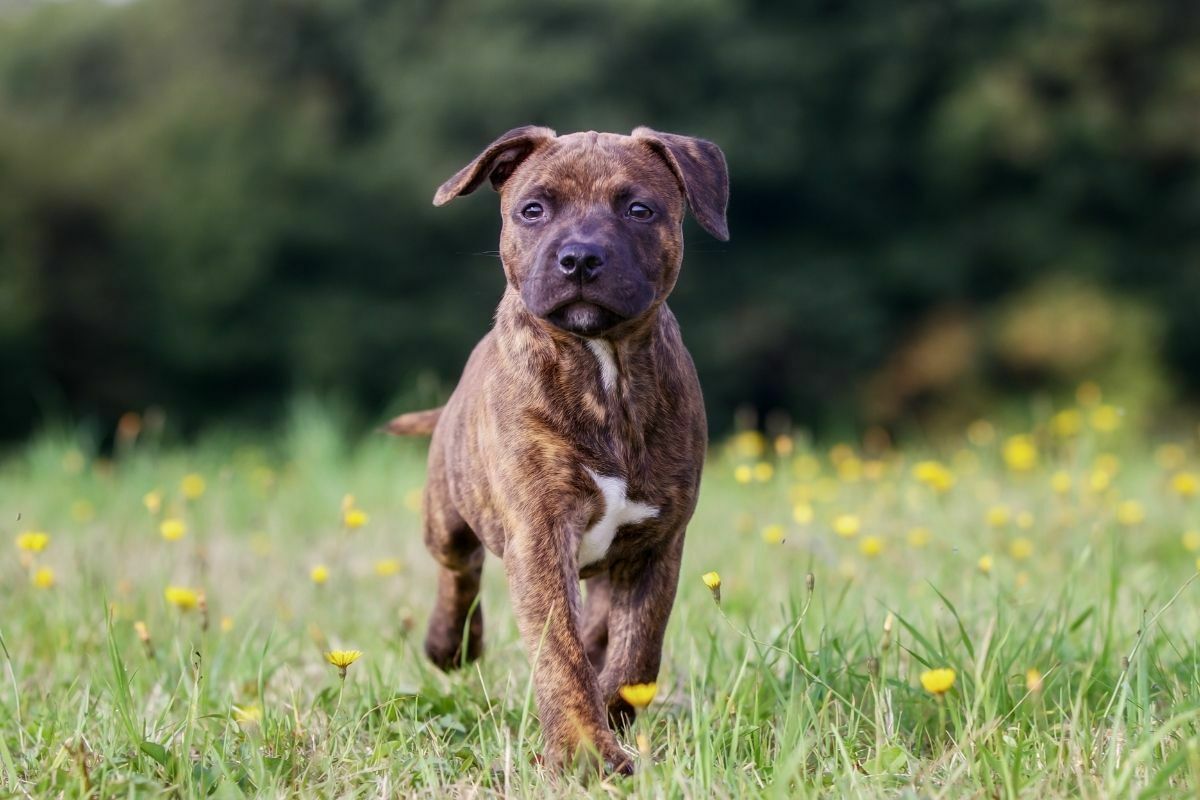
{"x":583,"y":318}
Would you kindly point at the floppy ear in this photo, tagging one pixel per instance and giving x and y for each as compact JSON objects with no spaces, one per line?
{"x":700,"y":167}
{"x":496,"y":163}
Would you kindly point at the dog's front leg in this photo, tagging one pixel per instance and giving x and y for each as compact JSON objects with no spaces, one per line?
{"x":642,"y":594}
{"x":544,"y":583}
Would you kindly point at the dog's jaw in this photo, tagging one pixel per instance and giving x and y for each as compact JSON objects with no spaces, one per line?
{"x":618,"y":510}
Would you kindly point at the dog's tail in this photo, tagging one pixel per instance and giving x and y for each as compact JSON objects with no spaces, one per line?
{"x":414,"y":423}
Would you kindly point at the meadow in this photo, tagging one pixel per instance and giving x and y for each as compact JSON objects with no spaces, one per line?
{"x":1008,"y":614}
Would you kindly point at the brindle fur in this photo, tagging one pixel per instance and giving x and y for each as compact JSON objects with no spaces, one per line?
{"x":510,"y":451}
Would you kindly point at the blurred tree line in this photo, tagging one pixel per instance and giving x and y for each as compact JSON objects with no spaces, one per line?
{"x":212,"y":206}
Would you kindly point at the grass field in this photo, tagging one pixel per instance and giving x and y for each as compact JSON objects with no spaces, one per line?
{"x":1052,"y":572}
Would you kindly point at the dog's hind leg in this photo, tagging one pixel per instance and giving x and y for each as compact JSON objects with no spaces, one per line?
{"x":594,"y":627}
{"x":457,"y":618}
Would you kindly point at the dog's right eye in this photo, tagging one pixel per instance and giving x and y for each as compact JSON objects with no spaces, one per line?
{"x":533,"y":211}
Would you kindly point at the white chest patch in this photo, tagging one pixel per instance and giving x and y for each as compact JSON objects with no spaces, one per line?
{"x":603,"y":350}
{"x":618,"y":510}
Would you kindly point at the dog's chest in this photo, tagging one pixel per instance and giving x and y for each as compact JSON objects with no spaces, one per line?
{"x":618,"y":510}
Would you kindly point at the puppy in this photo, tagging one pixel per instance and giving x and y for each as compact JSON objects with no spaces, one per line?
{"x":573,"y":445}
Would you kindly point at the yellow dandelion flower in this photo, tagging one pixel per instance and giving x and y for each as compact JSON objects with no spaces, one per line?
{"x":32,"y":541}
{"x":806,"y":466}
{"x":784,"y":445}
{"x":355,"y":518}
{"x":247,"y":715}
{"x":152,"y":500}
{"x":850,"y":470}
{"x":1020,"y":453}
{"x":1021,"y":548}
{"x":1105,"y":418}
{"x":847,"y":525}
{"x":934,"y":474}
{"x":639,"y":695}
{"x":43,"y":578}
{"x":1066,"y":423}
{"x":226,"y":624}
{"x":193,"y":486}
{"x":181,"y":597}
{"x":386,"y":567}
{"x":871,"y":546}
{"x":1185,"y":484}
{"x":1033,"y":680}
{"x":1191,"y":540}
{"x":998,"y":516}
{"x":172,"y":529}
{"x":713,"y":581}
{"x":342,"y":659}
{"x":773,"y":534}
{"x":743,"y":473}
{"x":319,"y":574}
{"x":1130,"y":513}
{"x":938,"y":681}
{"x":985,"y":564}
{"x":1099,"y":481}
{"x":749,"y":444}
{"x":802,"y":513}
{"x":918,"y":537}
{"x":1060,"y":482}
{"x":764,"y":471}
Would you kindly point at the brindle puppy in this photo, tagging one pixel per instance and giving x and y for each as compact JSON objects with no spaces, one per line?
{"x":573,"y":445}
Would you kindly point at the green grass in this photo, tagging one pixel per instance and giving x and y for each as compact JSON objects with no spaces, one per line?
{"x":780,"y":691}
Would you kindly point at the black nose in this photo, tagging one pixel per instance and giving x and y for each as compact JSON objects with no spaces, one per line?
{"x":581,"y":259}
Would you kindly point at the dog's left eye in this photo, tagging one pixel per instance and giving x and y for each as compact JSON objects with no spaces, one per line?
{"x":640,"y":211}
{"x":532,"y":211}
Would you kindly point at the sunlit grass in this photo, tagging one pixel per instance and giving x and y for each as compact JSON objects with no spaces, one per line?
{"x":1011,"y":615}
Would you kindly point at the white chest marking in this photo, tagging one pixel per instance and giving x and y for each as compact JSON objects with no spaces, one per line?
{"x":618,"y":510}
{"x":603,"y":350}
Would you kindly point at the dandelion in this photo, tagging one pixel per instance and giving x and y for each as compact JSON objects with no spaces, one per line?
{"x":152,"y":500}
{"x":743,"y":473}
{"x":193,"y":486}
{"x":1020,"y":453}
{"x":1033,"y":680}
{"x":32,"y":541}
{"x":850,"y":470}
{"x":247,"y":716}
{"x":802,"y":513}
{"x":181,"y":597}
{"x":1099,"y":480}
{"x":386,"y":567}
{"x":773,"y":534}
{"x":847,"y":525}
{"x":935,"y":475}
{"x":1066,"y":423}
{"x":749,"y":444}
{"x":1060,"y":482}
{"x":1191,"y":540}
{"x":1186,"y":484}
{"x":342,"y":659}
{"x":784,"y":445}
{"x":713,"y":581}
{"x":639,"y":695}
{"x":143,"y":634}
{"x":1105,"y":418}
{"x":172,"y":529}
{"x":319,"y":574}
{"x":1130,"y":513}
{"x":764,"y":471}
{"x":43,"y":578}
{"x":871,"y":546}
{"x":354,"y":518}
{"x":918,"y":537}
{"x":226,"y":624}
{"x":998,"y":516}
{"x":1021,"y":548}
{"x":985,"y":564}
{"x":938,"y":681}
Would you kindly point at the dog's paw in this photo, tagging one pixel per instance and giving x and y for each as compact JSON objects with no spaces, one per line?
{"x":445,"y":650}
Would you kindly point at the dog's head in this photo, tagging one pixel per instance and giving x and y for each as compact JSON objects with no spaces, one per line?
{"x":592,"y":233}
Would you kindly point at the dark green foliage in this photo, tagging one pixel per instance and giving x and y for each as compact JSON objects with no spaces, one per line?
{"x":210,"y":206}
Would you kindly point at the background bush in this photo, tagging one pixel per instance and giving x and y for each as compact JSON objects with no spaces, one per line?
{"x":211,"y":206}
